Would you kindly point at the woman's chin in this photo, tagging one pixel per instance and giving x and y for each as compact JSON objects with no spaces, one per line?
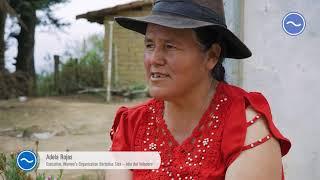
{"x":158,"y":93}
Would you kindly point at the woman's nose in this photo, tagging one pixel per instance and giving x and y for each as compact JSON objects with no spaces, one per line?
{"x":157,"y":57}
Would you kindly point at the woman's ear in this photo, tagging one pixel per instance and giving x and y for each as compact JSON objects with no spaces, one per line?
{"x":213,"y":55}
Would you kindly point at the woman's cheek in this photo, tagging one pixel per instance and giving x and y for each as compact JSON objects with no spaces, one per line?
{"x":147,"y":65}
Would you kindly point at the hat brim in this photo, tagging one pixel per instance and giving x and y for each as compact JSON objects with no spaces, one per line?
{"x":235,"y":48}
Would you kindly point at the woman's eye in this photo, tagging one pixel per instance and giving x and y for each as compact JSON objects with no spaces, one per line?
{"x":149,"y":46}
{"x":169,"y":46}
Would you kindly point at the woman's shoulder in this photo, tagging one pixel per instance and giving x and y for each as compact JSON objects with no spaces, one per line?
{"x":242,"y":99}
{"x":136,"y":109}
{"x":125,"y":122}
{"x":238,"y":93}
{"x":232,"y":90}
{"x":131,"y":114}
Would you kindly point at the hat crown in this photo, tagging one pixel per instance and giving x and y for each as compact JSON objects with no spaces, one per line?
{"x":203,"y":10}
{"x":214,"y":5}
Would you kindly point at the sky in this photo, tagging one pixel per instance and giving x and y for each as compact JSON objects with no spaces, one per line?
{"x":49,"y":43}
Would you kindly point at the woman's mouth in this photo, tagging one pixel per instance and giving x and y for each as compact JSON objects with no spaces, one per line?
{"x":158,"y":76}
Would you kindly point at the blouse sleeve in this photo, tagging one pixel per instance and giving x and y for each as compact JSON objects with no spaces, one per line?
{"x":261,"y":105}
{"x":236,"y":126}
{"x":234,"y":132}
{"x":119,"y":134}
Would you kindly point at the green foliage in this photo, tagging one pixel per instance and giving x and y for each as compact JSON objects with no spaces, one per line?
{"x":41,"y":176}
{"x":45,"y":85}
{"x":84,"y":177}
{"x":137,"y":87}
{"x":9,"y":169}
{"x":76,"y":73}
{"x":68,"y":81}
{"x":85,"y":72}
{"x":91,"y":70}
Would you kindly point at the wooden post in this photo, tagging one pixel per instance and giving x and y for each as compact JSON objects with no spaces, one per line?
{"x":76,"y":72}
{"x":116,"y":79}
{"x":241,"y":35}
{"x":109,"y":70}
{"x":56,"y":72}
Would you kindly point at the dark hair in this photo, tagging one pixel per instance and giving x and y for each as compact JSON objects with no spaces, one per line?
{"x":206,"y":37}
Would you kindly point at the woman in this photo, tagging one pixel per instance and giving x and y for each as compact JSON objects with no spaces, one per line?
{"x":202,"y":127}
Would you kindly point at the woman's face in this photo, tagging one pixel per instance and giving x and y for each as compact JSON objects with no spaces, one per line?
{"x":174,"y":63}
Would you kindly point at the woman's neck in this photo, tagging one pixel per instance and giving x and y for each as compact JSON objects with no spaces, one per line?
{"x":183,"y":113}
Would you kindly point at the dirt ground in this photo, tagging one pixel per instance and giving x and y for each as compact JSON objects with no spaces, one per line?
{"x":59,"y":124}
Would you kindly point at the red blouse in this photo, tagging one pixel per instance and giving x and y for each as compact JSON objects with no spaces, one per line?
{"x":214,"y":144}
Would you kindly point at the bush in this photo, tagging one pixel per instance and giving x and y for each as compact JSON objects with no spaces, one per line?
{"x":45,"y":84}
{"x":68,"y":82}
{"x":9,"y":169}
{"x":75,"y":74}
{"x":91,"y":70}
{"x":14,"y":84}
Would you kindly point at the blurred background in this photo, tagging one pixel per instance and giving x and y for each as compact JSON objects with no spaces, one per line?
{"x":66,"y":66}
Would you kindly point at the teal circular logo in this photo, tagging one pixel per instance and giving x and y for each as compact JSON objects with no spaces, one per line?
{"x":27,"y":160}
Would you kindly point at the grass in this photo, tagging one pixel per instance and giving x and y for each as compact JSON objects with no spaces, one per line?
{"x":9,"y":169}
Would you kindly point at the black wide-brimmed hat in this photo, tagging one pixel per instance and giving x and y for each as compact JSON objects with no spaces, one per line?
{"x":182,"y":14}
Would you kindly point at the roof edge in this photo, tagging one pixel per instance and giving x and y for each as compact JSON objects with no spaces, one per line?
{"x":99,"y":15}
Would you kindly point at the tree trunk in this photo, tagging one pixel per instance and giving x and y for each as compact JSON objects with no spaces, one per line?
{"x":26,"y":42}
{"x":3,"y":17}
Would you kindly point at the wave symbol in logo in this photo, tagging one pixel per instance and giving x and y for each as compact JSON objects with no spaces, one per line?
{"x":294,"y":24}
{"x":26,"y":160}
